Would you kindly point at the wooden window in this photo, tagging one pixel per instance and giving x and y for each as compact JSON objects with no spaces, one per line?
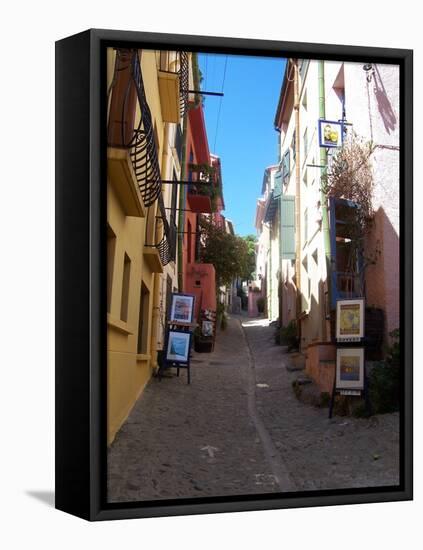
{"x":125,"y":288}
{"x":288,"y":227}
{"x":143,"y":321}
{"x":277,"y":188}
{"x":111,"y":249}
{"x":286,"y":166}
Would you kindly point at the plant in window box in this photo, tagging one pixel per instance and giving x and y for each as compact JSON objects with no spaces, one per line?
{"x":205,"y":173}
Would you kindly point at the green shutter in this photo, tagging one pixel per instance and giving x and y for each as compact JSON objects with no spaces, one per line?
{"x":277,"y":190}
{"x":288,"y":227}
{"x":286,"y":168}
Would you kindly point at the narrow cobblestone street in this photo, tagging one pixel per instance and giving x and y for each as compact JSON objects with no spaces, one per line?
{"x":239,"y":429}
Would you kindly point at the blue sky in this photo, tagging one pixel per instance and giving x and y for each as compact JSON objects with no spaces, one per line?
{"x":246,"y":140}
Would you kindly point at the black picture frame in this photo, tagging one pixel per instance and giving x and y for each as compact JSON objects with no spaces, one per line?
{"x":81,"y":274}
{"x":188,"y":337}
{"x":175,"y":296}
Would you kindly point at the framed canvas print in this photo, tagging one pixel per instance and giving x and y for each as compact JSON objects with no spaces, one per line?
{"x":178,"y":346}
{"x":243,"y":209}
{"x":331,"y":133}
{"x":350,"y":320}
{"x":182,"y":308}
{"x":350,"y":369}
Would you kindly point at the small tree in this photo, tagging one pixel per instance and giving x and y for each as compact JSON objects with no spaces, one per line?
{"x":249,"y":273}
{"x":228,"y":253}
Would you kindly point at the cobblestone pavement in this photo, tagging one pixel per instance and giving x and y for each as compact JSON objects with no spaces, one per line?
{"x":238,"y":429}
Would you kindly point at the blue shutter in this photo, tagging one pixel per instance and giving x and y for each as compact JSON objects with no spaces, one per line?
{"x":332,"y":232}
{"x":288,"y":227}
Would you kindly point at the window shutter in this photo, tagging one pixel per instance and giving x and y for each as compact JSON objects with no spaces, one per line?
{"x":288,"y":227}
{"x":332,"y":232}
{"x":286,"y":168}
{"x":277,"y":190}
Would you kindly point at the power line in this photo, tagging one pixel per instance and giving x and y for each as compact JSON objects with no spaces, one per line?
{"x":220,"y":106}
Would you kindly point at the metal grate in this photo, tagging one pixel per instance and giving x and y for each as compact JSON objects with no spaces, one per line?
{"x":183,"y":82}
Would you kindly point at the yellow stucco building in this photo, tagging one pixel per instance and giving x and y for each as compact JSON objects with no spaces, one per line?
{"x":147,"y":96}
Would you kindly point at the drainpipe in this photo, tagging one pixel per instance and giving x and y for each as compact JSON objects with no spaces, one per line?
{"x":324,"y":198}
{"x":297,"y":194}
{"x":157,"y":279}
{"x":182,"y":200}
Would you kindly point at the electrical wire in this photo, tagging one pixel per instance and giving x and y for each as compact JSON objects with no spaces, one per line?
{"x":220,"y":105}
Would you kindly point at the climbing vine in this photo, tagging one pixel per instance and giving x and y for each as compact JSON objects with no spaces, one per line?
{"x":350,"y":176}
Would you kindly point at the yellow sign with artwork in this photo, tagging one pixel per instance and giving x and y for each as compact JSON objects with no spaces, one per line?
{"x":350,"y":320}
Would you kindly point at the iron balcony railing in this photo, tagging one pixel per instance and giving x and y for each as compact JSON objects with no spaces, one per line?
{"x":347,"y":285}
{"x":177,"y":63}
{"x":167,"y":244}
{"x":125,"y":131}
{"x":128,"y":102}
{"x":179,"y":142}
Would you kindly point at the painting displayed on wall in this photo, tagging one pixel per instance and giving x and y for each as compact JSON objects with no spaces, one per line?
{"x":182,"y":308}
{"x":350,"y":368}
{"x":242,"y":196}
{"x":350,"y":320}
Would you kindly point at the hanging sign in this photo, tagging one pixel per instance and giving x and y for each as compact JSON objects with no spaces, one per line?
{"x":330,"y":133}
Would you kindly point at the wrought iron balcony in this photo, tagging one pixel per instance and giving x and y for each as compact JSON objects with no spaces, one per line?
{"x":177,"y":63}
{"x":167,"y":245}
{"x":131,"y":127}
{"x":179,"y":142}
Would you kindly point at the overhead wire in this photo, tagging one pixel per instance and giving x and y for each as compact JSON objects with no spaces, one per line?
{"x":220,"y":105}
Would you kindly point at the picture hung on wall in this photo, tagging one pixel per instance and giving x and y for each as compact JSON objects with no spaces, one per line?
{"x":273,"y":291}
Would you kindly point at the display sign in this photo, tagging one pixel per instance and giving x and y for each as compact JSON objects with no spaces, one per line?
{"x":207,"y":328}
{"x":182,"y":308}
{"x":350,"y":320}
{"x":350,"y":392}
{"x":331,"y":133}
{"x":350,"y":369}
{"x":178,"y":346}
